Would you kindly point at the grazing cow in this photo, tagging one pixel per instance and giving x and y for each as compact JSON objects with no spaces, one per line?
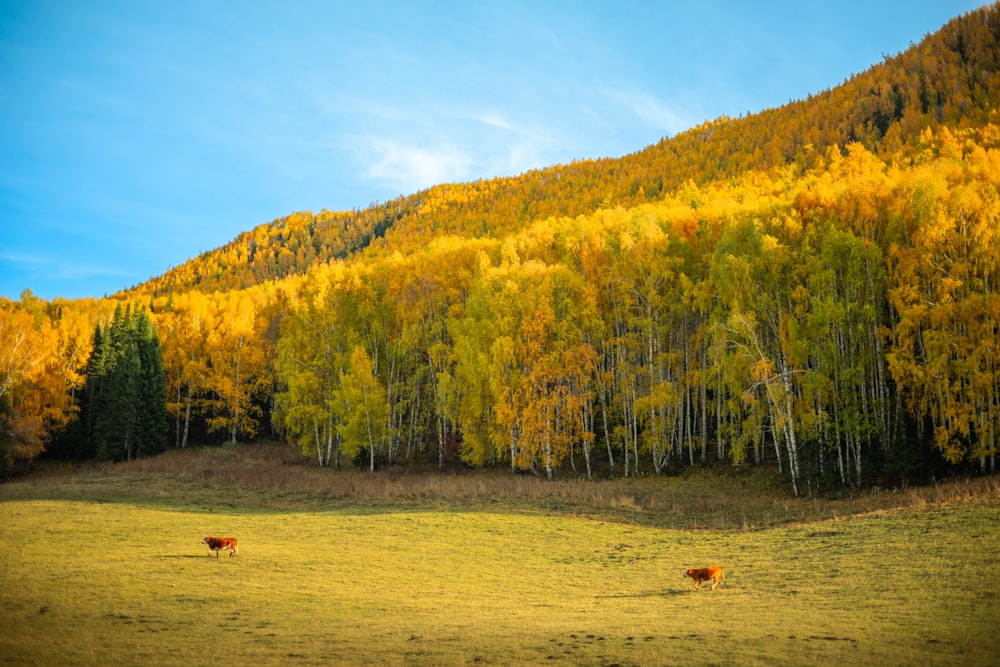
{"x":218,"y":544}
{"x":715,"y":574}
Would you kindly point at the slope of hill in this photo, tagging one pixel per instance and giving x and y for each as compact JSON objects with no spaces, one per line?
{"x":813,"y":286}
{"x":951,"y":78}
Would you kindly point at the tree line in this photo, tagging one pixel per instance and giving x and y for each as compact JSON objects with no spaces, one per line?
{"x":846,"y":319}
{"x":841,"y":321}
{"x":814,"y":285}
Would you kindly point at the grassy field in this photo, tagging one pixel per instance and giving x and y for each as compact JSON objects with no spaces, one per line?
{"x":104,"y":565}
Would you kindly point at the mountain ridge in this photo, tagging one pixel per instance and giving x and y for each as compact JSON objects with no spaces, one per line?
{"x":949,"y":78}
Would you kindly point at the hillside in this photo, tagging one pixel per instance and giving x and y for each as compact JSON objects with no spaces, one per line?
{"x":812,"y":288}
{"x":951,"y":78}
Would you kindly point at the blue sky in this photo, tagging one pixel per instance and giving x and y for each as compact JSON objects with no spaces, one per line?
{"x":136,"y":134}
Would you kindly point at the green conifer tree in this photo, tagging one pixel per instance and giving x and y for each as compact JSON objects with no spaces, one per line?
{"x":126,"y":393}
{"x":152,"y":390}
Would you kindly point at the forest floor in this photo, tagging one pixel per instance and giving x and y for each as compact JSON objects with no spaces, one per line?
{"x":103,"y":564}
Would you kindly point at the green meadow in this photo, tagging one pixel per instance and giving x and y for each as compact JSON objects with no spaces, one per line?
{"x":104,"y":565}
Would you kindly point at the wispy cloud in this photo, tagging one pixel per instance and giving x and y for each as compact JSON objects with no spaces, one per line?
{"x":507,"y":146}
{"x":49,"y":276}
{"x":409,"y":167}
{"x":658,"y":114}
{"x":53,"y":267}
{"x":493,"y":120}
{"x":75,"y":271}
{"x":405,"y":150}
{"x":24,"y":260}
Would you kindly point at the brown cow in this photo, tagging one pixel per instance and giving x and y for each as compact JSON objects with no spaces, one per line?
{"x":218,"y":544}
{"x":704,"y":574}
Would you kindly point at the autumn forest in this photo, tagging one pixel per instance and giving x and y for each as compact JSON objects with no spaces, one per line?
{"x":815,"y":287}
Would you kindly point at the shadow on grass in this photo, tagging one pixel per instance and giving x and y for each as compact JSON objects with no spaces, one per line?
{"x":202,"y":557}
{"x":660,"y":593}
{"x":255,"y":480}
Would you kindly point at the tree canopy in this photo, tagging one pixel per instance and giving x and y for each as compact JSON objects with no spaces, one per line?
{"x":814,"y":286}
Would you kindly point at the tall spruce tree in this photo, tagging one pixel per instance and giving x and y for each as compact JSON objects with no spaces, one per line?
{"x":125,"y":403}
{"x":152,"y":390}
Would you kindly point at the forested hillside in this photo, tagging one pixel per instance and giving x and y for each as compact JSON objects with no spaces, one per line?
{"x":813,"y":286}
{"x":952,"y":78}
